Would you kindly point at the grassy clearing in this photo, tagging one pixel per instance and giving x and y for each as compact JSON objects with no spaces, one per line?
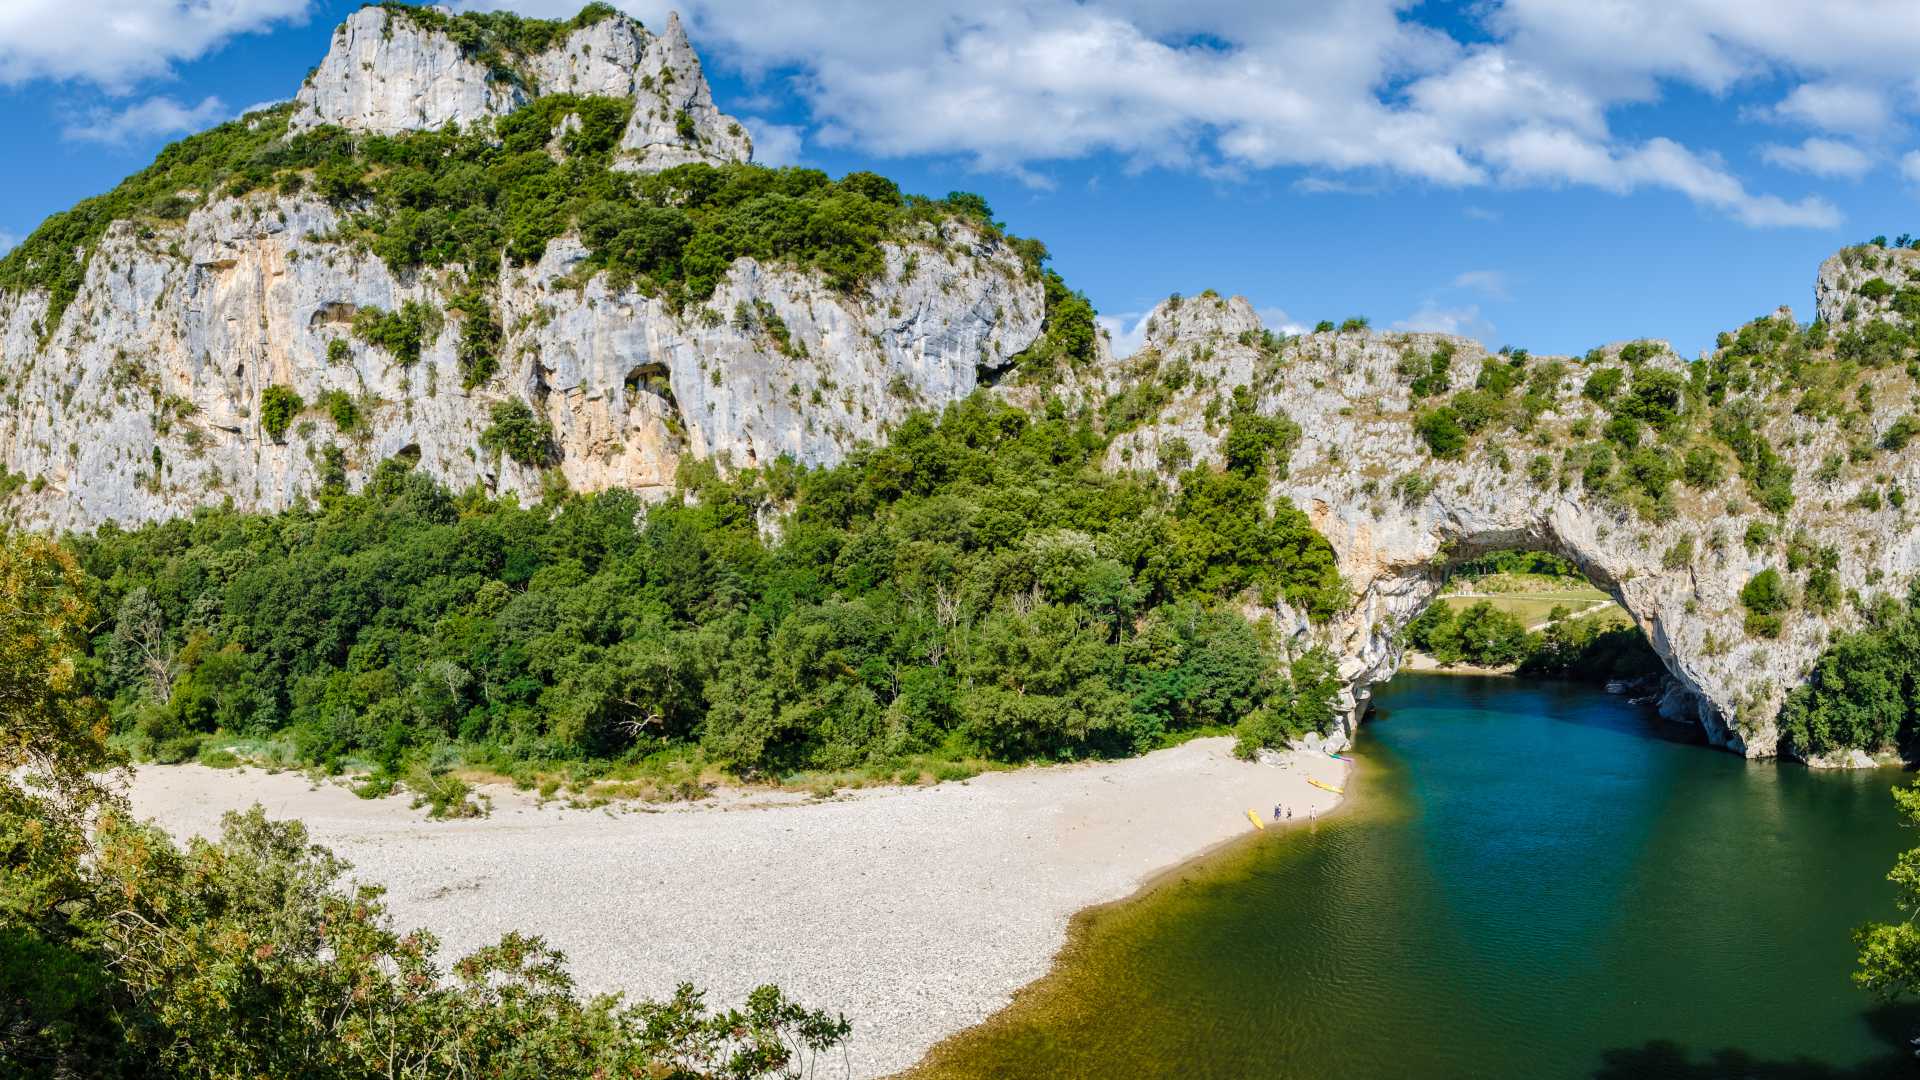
{"x":1534,"y":608}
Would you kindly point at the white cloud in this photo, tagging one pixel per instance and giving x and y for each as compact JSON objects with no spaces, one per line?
{"x":1358,"y":94}
{"x":774,"y":144}
{"x":1481,"y":213}
{"x":8,"y":241}
{"x":1278,"y":321}
{"x":1910,"y":166}
{"x":116,"y":43}
{"x":1491,"y":284}
{"x":1838,"y":107}
{"x":1465,"y":321}
{"x":154,"y":118}
{"x":1127,"y":331}
{"x":1821,"y":157}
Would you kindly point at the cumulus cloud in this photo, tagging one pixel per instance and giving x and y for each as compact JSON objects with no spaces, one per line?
{"x":1359,"y":95}
{"x":8,"y":241}
{"x":1835,"y":107}
{"x":1278,"y":321}
{"x":115,"y":43}
{"x":1821,"y":157}
{"x":1127,"y":331}
{"x":774,"y":144}
{"x":154,"y":118}
{"x":1910,"y":166}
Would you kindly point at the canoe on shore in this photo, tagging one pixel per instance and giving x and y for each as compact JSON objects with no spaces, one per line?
{"x":1324,"y":787}
{"x":1255,"y":818}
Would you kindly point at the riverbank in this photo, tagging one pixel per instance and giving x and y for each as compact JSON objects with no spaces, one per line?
{"x":917,"y":911}
{"x":1415,"y":660}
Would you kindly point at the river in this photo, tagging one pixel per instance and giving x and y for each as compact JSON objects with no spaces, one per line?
{"x":1530,"y":882}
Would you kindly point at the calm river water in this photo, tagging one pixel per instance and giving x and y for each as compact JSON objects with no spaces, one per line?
{"x":1531,"y":883}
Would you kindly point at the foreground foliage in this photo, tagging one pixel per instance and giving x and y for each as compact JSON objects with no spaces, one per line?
{"x":1889,"y":953}
{"x":122,"y":955}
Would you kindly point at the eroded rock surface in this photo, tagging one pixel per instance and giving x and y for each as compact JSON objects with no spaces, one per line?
{"x":386,"y":73}
{"x":1396,"y":514}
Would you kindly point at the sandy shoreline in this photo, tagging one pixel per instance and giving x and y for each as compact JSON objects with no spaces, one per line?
{"x":916,"y":911}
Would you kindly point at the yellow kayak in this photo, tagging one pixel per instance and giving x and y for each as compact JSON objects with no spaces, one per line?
{"x":1255,"y":818}
{"x":1323,"y":787}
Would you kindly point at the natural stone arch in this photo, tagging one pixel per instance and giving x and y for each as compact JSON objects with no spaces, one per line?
{"x":1349,"y":394}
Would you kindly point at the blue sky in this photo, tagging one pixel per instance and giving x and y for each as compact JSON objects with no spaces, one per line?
{"x":1545,"y":173}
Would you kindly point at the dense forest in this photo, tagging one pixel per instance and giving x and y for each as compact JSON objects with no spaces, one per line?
{"x":976,"y":587}
{"x":125,"y":956}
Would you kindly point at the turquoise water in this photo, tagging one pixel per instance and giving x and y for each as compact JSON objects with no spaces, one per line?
{"x":1531,"y":883}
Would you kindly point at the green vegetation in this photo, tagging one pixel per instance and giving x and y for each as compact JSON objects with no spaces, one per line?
{"x":977,"y":588}
{"x":498,"y":40}
{"x":516,"y":432}
{"x":1765,"y":597}
{"x":1596,"y":647}
{"x":445,"y":198}
{"x":403,"y":334}
{"x":1889,"y":953}
{"x":278,"y":406}
{"x":1864,"y":691}
{"x":125,"y":956}
{"x":1479,"y":635}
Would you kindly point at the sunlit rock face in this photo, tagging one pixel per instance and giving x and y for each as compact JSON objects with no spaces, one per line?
{"x":387,"y":73}
{"x":145,"y":400}
{"x":1396,"y":514}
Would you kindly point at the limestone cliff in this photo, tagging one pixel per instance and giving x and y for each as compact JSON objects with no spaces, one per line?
{"x":144,"y":397}
{"x":390,"y":70}
{"x":1397,"y":514}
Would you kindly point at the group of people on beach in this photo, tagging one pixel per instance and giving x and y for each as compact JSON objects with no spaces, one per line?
{"x":1281,"y":808}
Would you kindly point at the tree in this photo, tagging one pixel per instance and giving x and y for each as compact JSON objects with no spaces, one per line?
{"x":122,"y":955}
{"x":1889,"y":953}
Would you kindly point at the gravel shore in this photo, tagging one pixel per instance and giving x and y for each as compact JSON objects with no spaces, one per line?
{"x":915,"y":911}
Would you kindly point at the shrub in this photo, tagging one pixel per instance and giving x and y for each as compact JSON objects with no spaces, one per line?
{"x":1603,"y":384}
{"x":343,"y":410}
{"x":1703,"y":467}
{"x":1765,"y":594}
{"x":517,"y":433}
{"x":1441,"y":430}
{"x":1900,"y":433}
{"x":278,"y":406}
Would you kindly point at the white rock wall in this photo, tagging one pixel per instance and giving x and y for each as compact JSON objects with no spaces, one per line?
{"x":1355,"y":414}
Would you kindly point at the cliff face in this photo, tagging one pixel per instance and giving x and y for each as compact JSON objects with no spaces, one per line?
{"x":1396,"y":514}
{"x":388,"y":73}
{"x":146,"y":399}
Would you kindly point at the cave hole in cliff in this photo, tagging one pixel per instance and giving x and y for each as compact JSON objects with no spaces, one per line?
{"x":653,"y":378}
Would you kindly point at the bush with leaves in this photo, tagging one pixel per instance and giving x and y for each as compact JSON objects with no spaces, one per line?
{"x":124,"y":956}
{"x":278,"y":406}
{"x":515,"y":431}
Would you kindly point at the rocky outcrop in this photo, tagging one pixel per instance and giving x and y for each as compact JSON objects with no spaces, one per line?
{"x":1397,"y":515}
{"x":388,"y":73}
{"x":1859,"y":284}
{"x":145,"y":402}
